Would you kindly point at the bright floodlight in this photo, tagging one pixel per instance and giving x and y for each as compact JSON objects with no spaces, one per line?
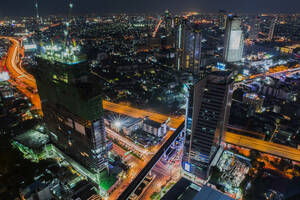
{"x":117,"y":124}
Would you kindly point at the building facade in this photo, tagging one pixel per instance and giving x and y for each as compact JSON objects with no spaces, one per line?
{"x":188,"y":48}
{"x":207,"y":113}
{"x":73,"y":112}
{"x":255,"y":28}
{"x":155,"y":128}
{"x":234,"y":40}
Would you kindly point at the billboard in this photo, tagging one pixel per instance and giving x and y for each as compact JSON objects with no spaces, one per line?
{"x":235,"y":39}
{"x":30,"y":46}
{"x":187,"y":166}
{"x":80,"y":128}
{"x":4,"y":76}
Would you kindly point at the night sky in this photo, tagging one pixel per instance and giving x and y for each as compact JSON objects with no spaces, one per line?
{"x":46,"y":7}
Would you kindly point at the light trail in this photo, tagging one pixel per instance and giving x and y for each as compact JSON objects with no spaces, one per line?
{"x":157,"y":27}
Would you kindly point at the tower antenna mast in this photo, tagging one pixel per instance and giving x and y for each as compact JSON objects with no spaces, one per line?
{"x":67,"y":31}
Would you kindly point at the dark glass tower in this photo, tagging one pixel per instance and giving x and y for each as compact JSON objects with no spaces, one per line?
{"x":208,"y":109}
{"x":72,"y":108}
{"x":188,"y":47}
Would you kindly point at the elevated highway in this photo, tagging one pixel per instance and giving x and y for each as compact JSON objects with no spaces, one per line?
{"x":263,"y":146}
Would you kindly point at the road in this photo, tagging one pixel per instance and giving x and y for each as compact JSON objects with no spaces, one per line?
{"x":174,"y":122}
{"x":143,"y":173}
{"x":263,"y":146}
{"x":136,"y":166}
{"x":22,"y":80}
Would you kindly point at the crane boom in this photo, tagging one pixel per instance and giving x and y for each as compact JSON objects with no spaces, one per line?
{"x":157,"y":27}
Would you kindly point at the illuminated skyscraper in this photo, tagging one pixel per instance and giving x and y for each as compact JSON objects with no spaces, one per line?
{"x":234,"y":40}
{"x":207,"y":114}
{"x":72,"y":108}
{"x":188,"y":46}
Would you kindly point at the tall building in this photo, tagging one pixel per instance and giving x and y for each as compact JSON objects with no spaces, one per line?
{"x":234,"y":40}
{"x":72,"y":108}
{"x":168,"y":21}
{"x":188,"y":47}
{"x":255,"y":28}
{"x":207,"y":113}
{"x":222,"y":19}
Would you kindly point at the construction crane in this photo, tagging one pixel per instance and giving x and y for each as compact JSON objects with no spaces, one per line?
{"x":272,"y":27}
{"x":157,"y":27}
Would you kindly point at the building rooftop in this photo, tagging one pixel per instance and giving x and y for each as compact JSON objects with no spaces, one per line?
{"x":152,"y":123}
{"x":187,"y":190}
{"x":208,"y":193}
{"x":124,"y":120}
{"x":32,"y":139}
{"x":84,"y":190}
{"x":69,"y":55}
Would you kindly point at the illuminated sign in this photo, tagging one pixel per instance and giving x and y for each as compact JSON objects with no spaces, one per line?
{"x":4,"y":76}
{"x":187,"y":166}
{"x":29,"y":46}
{"x":221,"y":66}
{"x":245,"y":72}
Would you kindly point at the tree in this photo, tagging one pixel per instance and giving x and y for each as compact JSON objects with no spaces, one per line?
{"x":254,"y":154}
{"x":215,"y":174}
{"x":284,"y":165}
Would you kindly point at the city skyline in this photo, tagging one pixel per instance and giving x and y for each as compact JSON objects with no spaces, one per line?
{"x":55,"y":7}
{"x":156,"y":105}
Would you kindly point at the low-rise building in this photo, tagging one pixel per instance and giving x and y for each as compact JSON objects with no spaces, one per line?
{"x":123,"y":123}
{"x":254,"y":100}
{"x":155,"y":128}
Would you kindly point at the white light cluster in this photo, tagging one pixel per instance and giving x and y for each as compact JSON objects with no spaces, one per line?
{"x":4,"y":76}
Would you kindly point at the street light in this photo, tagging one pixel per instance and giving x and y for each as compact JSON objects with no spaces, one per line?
{"x":117,"y":124}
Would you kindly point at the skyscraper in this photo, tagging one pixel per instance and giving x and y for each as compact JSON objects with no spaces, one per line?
{"x":72,"y":108}
{"x":207,"y":113}
{"x":255,"y":28}
{"x":168,"y":21}
{"x":234,"y":40}
{"x":188,"y":46}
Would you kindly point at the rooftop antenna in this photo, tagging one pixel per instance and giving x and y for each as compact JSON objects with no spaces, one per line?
{"x":36,"y":6}
{"x":67,"y":31}
{"x":37,"y":24}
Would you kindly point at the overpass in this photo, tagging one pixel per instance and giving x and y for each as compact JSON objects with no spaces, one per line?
{"x":140,"y":177}
{"x":263,"y":146}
